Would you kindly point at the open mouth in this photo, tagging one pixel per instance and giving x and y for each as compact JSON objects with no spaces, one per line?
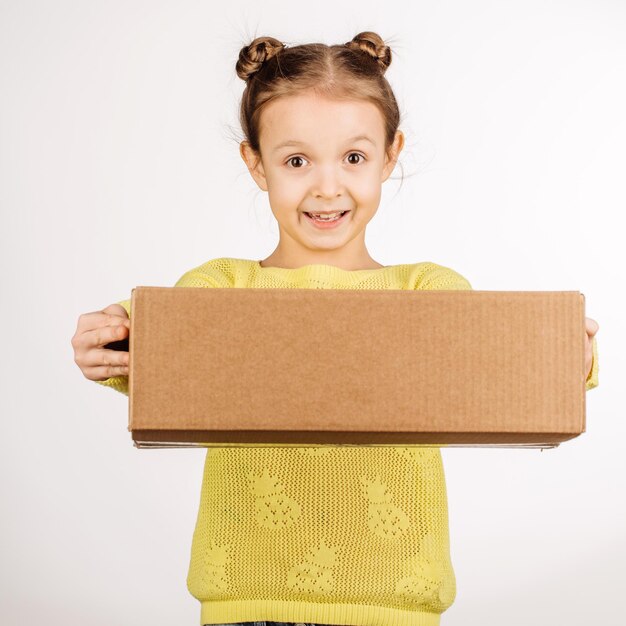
{"x":324,"y":221}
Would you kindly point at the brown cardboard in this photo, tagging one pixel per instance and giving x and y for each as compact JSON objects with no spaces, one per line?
{"x":355,"y":367}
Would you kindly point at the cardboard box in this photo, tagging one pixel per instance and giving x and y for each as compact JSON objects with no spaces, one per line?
{"x":355,"y":367}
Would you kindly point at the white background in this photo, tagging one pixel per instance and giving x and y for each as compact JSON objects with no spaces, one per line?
{"x":119,"y":167}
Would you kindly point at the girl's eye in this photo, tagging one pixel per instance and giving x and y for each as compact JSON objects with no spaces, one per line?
{"x":356,"y":154}
{"x":293,"y":158}
{"x":302,"y":159}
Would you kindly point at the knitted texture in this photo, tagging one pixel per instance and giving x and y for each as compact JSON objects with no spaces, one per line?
{"x":322,"y":534}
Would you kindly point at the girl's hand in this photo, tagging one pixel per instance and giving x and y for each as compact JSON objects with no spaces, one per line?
{"x":95,"y":330}
{"x":591,"y":327}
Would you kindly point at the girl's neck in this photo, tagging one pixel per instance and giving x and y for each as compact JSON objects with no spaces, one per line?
{"x":274,"y":261}
{"x":370,"y":266}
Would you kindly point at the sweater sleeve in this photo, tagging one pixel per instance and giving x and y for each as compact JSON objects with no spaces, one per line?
{"x":192,"y":278}
{"x":592,"y":379}
{"x":443,"y":278}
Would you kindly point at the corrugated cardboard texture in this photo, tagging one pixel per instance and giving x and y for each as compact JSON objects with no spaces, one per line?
{"x":362,"y":367}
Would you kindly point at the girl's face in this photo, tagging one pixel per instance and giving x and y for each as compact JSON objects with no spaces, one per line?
{"x":320,"y":155}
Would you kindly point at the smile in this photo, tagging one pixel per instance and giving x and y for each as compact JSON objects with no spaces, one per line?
{"x":322,"y":223}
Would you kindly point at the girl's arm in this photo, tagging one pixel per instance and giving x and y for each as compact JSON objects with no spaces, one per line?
{"x":192,"y":278}
{"x":441,"y":277}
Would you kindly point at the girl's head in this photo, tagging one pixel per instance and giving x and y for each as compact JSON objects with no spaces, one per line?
{"x":321,"y":135}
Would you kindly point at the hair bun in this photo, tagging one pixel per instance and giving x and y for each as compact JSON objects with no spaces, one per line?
{"x":252,"y":56}
{"x":372,"y":44}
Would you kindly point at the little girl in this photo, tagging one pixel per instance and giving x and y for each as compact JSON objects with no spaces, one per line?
{"x":328,"y":535}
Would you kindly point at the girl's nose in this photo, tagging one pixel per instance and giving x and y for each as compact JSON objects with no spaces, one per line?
{"x":328,"y":183}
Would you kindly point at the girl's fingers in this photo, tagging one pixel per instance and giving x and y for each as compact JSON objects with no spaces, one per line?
{"x":591,"y":326}
{"x":88,"y":343}
{"x":95,"y":330}
{"x":588,"y":357}
{"x":110,"y":357}
{"x":103,"y":364}
{"x":113,"y":314}
{"x":107,"y":371}
{"x":103,"y":357}
{"x":106,"y":334}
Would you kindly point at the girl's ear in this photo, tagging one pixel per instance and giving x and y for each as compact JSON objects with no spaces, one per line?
{"x":254,"y":164}
{"x":391,"y":158}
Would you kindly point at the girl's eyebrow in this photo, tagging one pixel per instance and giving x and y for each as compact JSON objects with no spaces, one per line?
{"x":293,"y":142}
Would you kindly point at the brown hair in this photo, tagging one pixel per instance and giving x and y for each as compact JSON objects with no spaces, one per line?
{"x":354,"y":70}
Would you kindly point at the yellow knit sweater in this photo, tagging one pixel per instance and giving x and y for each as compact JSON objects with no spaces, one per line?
{"x":327,"y":535}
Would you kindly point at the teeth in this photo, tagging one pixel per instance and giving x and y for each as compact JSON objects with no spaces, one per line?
{"x":329,"y":216}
